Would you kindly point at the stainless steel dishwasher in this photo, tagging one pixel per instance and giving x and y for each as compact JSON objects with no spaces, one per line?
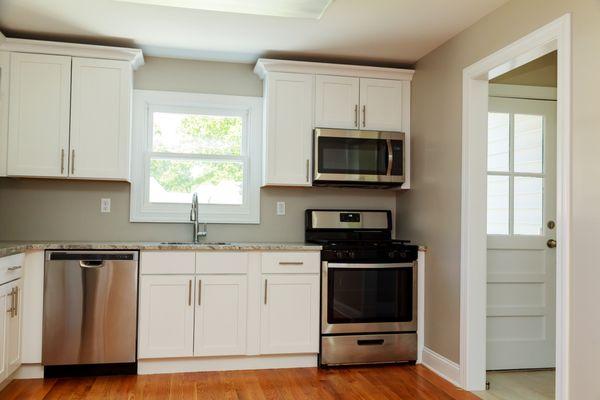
{"x":90,"y":312}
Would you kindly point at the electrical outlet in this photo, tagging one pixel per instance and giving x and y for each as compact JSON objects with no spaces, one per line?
{"x":104,"y":205}
{"x":281,"y":208}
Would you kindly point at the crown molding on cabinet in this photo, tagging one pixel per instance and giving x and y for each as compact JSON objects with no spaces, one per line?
{"x":265,"y":65}
{"x":134,"y":56}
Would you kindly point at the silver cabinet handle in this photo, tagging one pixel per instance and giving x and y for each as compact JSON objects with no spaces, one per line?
{"x":356,"y":115}
{"x":14,"y":267}
{"x":16,"y":301}
{"x":190,"y":293}
{"x":291,"y":262}
{"x":266,"y":283}
{"x":72,"y":161}
{"x":364,"y":116}
{"x":11,"y":310}
{"x":307,"y":170}
{"x":200,"y":292}
{"x":62,"y":161}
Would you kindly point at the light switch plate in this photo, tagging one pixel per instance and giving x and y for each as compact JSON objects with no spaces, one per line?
{"x":281,"y":208}
{"x":104,"y":205}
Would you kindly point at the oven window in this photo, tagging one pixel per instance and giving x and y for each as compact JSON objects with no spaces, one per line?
{"x":369,"y":295}
{"x":352,"y":156}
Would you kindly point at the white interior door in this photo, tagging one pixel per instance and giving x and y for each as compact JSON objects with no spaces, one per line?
{"x":521,"y":210}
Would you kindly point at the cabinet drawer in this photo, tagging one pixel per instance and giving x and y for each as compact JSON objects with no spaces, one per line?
{"x":291,"y":263}
{"x":221,"y":263}
{"x":167,"y":262}
{"x":11,"y":267}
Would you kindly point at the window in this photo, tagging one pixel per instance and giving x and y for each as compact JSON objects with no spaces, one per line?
{"x":515,"y":174}
{"x":187,"y":143}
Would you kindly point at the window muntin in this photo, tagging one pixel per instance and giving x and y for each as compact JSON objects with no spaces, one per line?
{"x":515,"y":174}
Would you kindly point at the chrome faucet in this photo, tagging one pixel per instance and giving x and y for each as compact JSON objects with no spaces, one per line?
{"x":194,"y":218}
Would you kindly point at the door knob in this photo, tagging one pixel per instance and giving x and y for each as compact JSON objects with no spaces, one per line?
{"x":551,"y":243}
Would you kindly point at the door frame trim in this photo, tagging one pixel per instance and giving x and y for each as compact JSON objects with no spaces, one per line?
{"x":554,"y":36}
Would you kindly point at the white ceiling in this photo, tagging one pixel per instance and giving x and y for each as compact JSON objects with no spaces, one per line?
{"x":377,"y":32}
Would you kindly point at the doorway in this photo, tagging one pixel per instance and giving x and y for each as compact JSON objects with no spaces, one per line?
{"x":521,"y":227}
{"x":523,"y":187}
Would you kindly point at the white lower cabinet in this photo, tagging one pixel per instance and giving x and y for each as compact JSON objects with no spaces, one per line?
{"x":214,"y":312}
{"x":221,"y":311}
{"x":5,"y":305}
{"x":166,"y":320}
{"x":13,"y":326}
{"x":290,"y":314}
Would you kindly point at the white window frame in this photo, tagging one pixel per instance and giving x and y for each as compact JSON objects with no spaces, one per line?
{"x":145,"y":102}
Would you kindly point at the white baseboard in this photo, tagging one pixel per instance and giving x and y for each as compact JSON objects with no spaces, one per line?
{"x":175,"y":365}
{"x":30,"y":371}
{"x":449,"y":370}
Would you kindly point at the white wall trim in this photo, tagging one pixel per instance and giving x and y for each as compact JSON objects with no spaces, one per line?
{"x":265,"y":65}
{"x":236,"y":363}
{"x":553,"y":36}
{"x":29,"y":371}
{"x":523,"y":91}
{"x":420,"y":305}
{"x":449,"y":370}
{"x":133,"y":56}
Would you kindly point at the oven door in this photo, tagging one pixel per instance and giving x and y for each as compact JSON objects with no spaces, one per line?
{"x":358,"y":156}
{"x":368,"y":298}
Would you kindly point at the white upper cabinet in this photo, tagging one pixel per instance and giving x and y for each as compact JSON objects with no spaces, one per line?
{"x":38,"y":133}
{"x":336,"y":102}
{"x":289,"y":100}
{"x":221,"y":310}
{"x":381,"y":104}
{"x":100,"y":119}
{"x":4,"y":74}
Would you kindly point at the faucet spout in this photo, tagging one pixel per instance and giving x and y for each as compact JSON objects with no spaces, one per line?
{"x":194,"y":218}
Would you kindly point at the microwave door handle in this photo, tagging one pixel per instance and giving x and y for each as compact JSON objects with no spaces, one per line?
{"x":390,"y":157}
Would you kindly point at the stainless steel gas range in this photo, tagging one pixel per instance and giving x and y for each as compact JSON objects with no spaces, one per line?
{"x":368,"y":288}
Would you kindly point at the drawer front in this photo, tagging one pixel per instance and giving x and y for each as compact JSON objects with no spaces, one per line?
{"x":221,"y":262}
{"x":291,"y":262}
{"x":11,"y":267}
{"x":367,"y":349}
{"x":167,"y":262}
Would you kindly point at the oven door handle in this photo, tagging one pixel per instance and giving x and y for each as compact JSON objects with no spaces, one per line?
{"x":390,"y":159}
{"x":369,"y":266}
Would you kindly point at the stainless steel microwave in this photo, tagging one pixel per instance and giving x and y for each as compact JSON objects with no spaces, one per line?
{"x":358,"y":158}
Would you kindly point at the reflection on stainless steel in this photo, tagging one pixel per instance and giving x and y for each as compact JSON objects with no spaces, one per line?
{"x":368,"y":349}
{"x":90,"y":307}
{"x":356,"y":220}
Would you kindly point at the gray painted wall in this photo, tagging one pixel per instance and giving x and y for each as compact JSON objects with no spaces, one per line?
{"x":36,"y":209}
{"x":430,"y":213}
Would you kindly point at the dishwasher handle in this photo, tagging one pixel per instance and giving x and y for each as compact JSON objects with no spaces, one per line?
{"x":91,"y":255}
{"x":91,"y":263}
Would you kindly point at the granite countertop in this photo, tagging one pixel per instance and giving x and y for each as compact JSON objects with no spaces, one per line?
{"x":9,"y":248}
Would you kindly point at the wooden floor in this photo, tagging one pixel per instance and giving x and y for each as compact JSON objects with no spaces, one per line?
{"x":519,"y":385}
{"x":371,"y":383}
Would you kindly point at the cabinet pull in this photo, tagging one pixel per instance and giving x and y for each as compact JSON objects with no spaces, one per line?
{"x":72,"y":161}
{"x":14,"y":268}
{"x":11,"y":310}
{"x":291,"y":262}
{"x":266,"y":282}
{"x":62,"y":161}
{"x":190,"y":293}
{"x":307,"y":168}
{"x":364,"y":116}
{"x":356,"y":115}
{"x":200,"y":292}
{"x":16,"y":295}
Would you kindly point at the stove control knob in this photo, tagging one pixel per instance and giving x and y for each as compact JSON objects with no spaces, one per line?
{"x":392,"y":254}
{"x":351,"y":254}
{"x":339,"y":254}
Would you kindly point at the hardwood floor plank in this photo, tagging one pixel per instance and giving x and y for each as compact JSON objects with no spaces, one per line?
{"x":406,"y":382}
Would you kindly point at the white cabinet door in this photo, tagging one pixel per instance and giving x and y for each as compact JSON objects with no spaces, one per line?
{"x":290,"y":314}
{"x":381,"y":104}
{"x":38,"y":132}
{"x":288,"y":130}
{"x":166,"y":321}
{"x":5,"y":305}
{"x":13,"y":326}
{"x":4,"y":74}
{"x":221,"y":310}
{"x":336,"y":102}
{"x":100,"y":119}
